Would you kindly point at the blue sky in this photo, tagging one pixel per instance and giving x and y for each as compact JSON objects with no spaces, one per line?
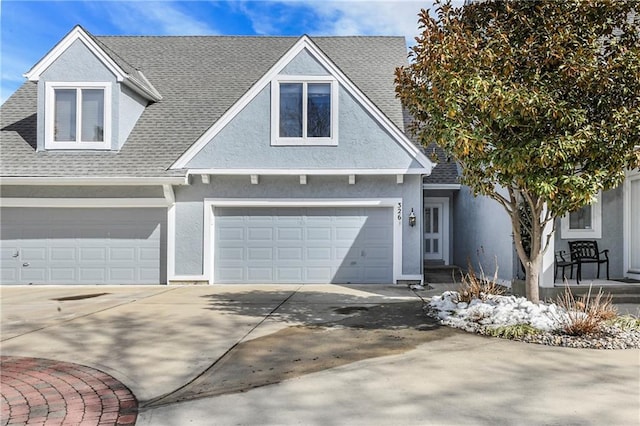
{"x":30,"y":28}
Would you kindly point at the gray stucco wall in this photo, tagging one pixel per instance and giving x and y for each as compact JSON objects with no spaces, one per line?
{"x":34,"y":191}
{"x":246,"y":142}
{"x":304,"y":64}
{"x":190,"y":207}
{"x":132,"y":106}
{"x":78,"y":64}
{"x":482,"y":234}
{"x":612,"y":235}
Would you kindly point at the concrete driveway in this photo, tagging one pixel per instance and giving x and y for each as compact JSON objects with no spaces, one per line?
{"x":315,"y":354}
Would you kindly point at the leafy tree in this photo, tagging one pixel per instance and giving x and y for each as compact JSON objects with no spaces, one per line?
{"x":539,"y":102}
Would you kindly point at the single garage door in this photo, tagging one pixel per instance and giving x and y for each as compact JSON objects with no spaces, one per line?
{"x":82,"y":246}
{"x":303,"y":245}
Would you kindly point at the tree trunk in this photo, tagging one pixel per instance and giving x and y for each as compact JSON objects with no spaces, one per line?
{"x":533,"y":273}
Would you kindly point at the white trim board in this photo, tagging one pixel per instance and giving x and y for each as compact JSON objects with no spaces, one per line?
{"x":210,"y":204}
{"x":305,"y":43}
{"x":631,"y":175}
{"x":310,"y":172}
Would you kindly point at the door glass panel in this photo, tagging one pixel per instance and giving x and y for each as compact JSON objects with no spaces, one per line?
{"x":427,"y":220}
{"x":427,"y":246}
{"x":435,"y":222}
{"x":435,"y":245}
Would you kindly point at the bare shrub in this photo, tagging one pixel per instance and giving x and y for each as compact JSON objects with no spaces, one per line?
{"x":585,"y":315}
{"x":473,"y":286}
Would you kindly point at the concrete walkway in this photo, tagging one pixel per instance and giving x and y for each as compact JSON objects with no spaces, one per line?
{"x":159,"y":341}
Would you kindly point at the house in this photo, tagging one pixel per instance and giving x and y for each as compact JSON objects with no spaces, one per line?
{"x":148,"y":160}
{"x":152,"y":160}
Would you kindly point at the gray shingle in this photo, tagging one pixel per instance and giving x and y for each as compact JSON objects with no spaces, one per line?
{"x":199,"y":78}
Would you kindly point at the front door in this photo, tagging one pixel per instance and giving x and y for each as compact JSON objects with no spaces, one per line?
{"x":433,"y":249}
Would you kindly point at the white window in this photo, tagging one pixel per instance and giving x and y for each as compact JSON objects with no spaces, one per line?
{"x":78,"y":115}
{"x":304,"y":111}
{"x":585,"y":222}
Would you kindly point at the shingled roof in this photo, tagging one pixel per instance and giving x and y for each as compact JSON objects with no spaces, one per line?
{"x":199,"y":78}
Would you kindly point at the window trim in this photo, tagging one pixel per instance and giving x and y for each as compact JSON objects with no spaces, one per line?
{"x":276,"y":140}
{"x":595,"y":232}
{"x":50,"y":142}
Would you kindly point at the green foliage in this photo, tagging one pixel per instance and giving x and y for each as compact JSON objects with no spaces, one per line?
{"x":626,"y":322}
{"x":517,"y":331}
{"x":539,"y":98}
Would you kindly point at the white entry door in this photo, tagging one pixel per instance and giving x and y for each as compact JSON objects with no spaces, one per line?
{"x":433,"y":231}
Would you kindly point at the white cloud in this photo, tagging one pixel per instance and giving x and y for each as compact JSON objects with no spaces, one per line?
{"x":345,"y":17}
{"x":154,"y":18}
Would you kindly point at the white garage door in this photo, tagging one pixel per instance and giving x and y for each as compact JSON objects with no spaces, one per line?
{"x":303,"y":245}
{"x":82,"y":246}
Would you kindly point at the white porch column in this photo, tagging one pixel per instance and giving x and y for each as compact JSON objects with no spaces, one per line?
{"x":546,"y":272}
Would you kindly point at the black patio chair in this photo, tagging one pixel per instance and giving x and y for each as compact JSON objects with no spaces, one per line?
{"x":562,"y":262}
{"x":587,"y":252}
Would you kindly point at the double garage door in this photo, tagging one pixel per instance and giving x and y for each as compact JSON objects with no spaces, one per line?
{"x":82,"y":246}
{"x":303,"y":245}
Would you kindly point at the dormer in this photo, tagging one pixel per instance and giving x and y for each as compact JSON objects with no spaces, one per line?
{"x":89,"y":98}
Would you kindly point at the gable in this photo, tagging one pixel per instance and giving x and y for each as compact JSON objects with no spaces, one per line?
{"x":360,"y":117}
{"x":304,"y":64}
{"x":77,"y":63}
{"x":245,"y":143}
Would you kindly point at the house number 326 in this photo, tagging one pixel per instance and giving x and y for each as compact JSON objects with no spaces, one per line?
{"x":399,"y":211}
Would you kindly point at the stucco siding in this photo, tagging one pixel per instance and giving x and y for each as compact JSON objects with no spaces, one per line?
{"x":482,"y":234}
{"x":246,"y":143}
{"x":612,"y":235}
{"x":304,"y":64}
{"x":132,"y":106}
{"x":189,"y":237}
{"x":34,"y":191}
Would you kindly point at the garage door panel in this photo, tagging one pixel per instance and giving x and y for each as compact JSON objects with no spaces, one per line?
{"x":257,"y":254}
{"x":34,"y":274}
{"x":289,"y":253}
{"x":319,"y":253}
{"x":62,"y":274}
{"x":93,"y":254}
{"x":289,"y":275}
{"x":290,"y":234}
{"x":260,"y":234}
{"x":230,"y":274}
{"x":122,"y":274}
{"x":256,"y":274}
{"x":125,"y":254}
{"x":62,"y":254}
{"x":318,"y":233}
{"x":306,"y":245}
{"x":83,"y":246}
{"x":34,"y":253}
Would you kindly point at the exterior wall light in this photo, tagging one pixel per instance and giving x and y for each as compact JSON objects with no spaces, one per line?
{"x":412,"y":219}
